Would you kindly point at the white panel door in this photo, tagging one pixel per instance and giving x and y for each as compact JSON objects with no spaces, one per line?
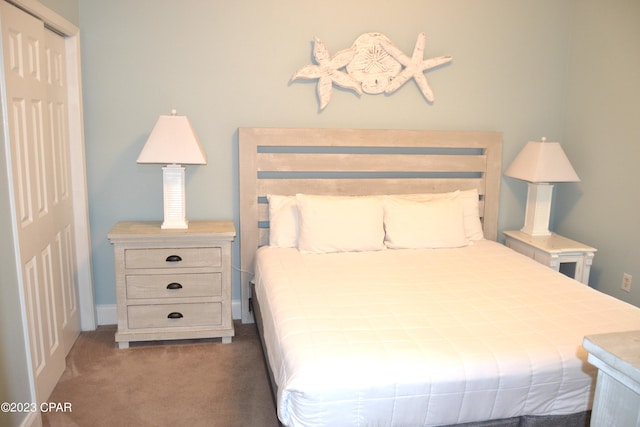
{"x":60,"y":181}
{"x":37,"y":121}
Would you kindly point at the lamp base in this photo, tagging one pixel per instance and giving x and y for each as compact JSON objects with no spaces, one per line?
{"x":175,"y":225}
{"x":174,"y":197}
{"x":536,"y":221}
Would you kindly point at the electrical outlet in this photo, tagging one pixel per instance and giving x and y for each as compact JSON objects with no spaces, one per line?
{"x":626,"y":282}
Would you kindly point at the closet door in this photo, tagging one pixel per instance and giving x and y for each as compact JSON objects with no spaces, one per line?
{"x":39,"y":151}
{"x":59,"y":167}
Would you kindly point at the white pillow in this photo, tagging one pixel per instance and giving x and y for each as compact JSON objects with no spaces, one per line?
{"x":283,"y":221}
{"x":470,"y":207}
{"x":437,"y":223}
{"x":340,"y":223}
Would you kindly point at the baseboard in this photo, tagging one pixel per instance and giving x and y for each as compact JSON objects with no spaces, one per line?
{"x":236,"y":309}
{"x":108,"y":313}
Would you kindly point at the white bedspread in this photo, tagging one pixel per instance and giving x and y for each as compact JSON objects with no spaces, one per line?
{"x":428,"y":337}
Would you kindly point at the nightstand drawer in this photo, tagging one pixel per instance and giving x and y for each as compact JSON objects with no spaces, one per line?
{"x":174,"y":285}
{"x":173,"y":258}
{"x":174,"y":315}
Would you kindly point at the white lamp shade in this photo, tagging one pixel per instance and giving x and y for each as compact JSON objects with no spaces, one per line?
{"x":173,"y":141}
{"x":542,"y":161}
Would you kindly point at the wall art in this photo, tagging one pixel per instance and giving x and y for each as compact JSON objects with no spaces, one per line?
{"x":372,"y":65}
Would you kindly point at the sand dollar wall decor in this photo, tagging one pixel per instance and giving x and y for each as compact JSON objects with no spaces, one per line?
{"x":373,"y":65}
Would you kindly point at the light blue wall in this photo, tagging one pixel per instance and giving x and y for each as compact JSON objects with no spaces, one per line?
{"x":228,"y":64}
{"x":602,"y":139}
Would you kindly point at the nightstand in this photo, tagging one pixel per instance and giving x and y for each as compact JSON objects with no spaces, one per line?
{"x":617,"y":397}
{"x":565,"y":255}
{"x":173,"y":283}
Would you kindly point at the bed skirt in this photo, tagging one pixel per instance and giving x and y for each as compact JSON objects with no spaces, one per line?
{"x":581,"y":419}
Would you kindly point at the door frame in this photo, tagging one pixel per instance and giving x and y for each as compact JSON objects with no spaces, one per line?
{"x":71,"y":33}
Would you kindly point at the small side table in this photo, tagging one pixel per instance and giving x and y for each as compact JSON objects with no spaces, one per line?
{"x":173,"y":283}
{"x":565,"y":255}
{"x":617,"y":397}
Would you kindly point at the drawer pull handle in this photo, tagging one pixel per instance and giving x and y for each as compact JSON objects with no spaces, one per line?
{"x":173,"y":258}
{"x":175,"y":315}
{"x":174,"y":285}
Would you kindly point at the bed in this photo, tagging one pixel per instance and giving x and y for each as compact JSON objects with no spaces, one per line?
{"x":382,"y":297}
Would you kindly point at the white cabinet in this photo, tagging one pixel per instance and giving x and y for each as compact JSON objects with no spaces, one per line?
{"x":173,"y":284}
{"x":617,"y":397}
{"x":562,"y":254}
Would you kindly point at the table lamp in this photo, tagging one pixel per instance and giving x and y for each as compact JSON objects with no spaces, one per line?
{"x":540,"y":163}
{"x":173,"y":142}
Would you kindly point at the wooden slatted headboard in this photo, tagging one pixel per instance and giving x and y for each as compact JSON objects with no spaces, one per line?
{"x":359,"y":162}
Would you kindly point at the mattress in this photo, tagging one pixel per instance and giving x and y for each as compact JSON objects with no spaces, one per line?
{"x":427,"y":337}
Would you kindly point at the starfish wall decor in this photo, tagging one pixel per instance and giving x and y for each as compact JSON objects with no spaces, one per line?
{"x":372,"y":65}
